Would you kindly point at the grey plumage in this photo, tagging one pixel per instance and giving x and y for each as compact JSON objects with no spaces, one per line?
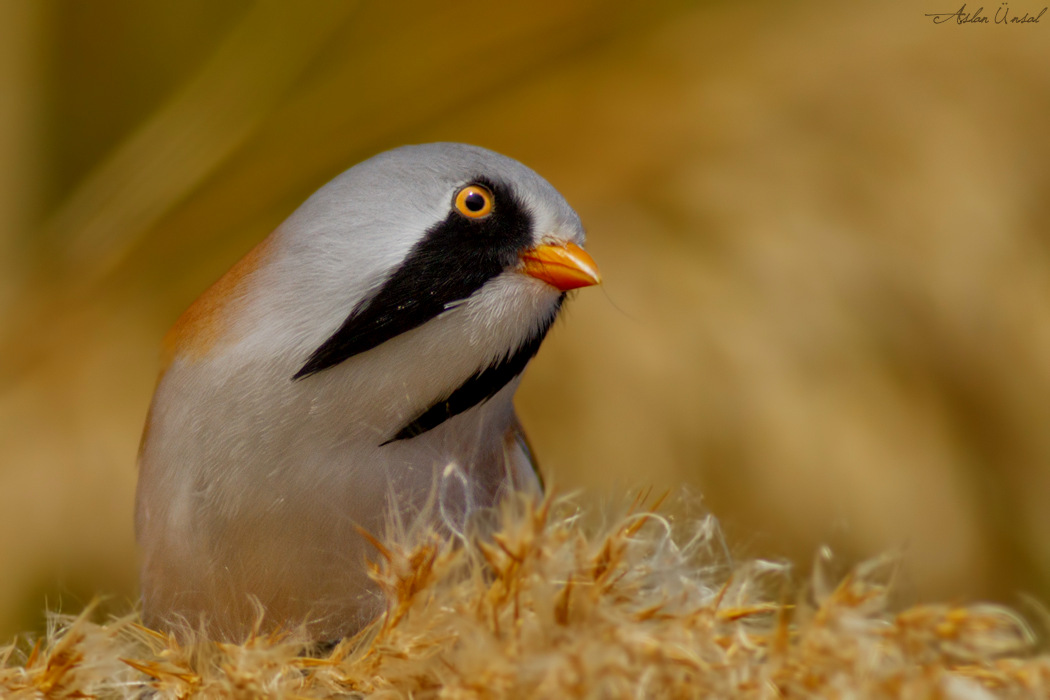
{"x":252,"y":483}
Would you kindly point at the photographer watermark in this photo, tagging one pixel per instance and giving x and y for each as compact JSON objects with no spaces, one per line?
{"x":1004,"y":15}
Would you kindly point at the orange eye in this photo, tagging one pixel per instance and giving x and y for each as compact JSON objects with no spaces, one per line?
{"x":474,"y":202}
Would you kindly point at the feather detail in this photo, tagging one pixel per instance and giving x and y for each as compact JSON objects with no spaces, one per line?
{"x":479,"y":387}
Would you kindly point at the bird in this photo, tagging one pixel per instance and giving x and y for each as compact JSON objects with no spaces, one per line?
{"x":359,"y":360}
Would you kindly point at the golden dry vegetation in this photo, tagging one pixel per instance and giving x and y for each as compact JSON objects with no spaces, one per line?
{"x":542,"y":606}
{"x":823,"y":230}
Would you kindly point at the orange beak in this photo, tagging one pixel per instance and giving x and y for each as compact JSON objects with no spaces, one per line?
{"x":564,"y":266}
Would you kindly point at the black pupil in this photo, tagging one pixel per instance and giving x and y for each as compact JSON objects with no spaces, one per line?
{"x":474,"y":201}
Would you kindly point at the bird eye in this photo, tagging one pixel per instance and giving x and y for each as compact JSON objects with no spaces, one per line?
{"x":474,"y":202}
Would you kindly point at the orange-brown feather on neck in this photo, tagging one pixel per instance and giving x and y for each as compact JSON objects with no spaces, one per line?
{"x":207,"y":321}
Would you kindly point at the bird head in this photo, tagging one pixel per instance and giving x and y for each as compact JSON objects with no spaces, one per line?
{"x":424,"y":278}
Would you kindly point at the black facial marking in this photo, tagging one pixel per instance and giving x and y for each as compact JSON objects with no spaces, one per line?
{"x":453,"y":259}
{"x":480,"y":387}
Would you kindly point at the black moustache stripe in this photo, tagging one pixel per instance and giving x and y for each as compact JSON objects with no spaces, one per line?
{"x":453,"y":259}
{"x":480,"y":387}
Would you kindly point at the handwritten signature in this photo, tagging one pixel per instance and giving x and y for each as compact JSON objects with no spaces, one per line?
{"x":1002,"y":16}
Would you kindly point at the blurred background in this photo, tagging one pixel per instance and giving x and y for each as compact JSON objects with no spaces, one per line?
{"x":823,"y":229}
